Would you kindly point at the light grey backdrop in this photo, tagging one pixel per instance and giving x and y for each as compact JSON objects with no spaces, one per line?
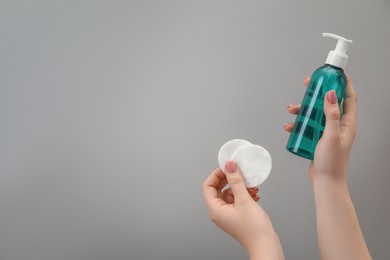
{"x":112,"y":113}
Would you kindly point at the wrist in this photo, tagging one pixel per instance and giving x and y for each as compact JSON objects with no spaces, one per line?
{"x":330,"y":186}
{"x":336,"y":176}
{"x":267,"y":247}
{"x":334,"y":179}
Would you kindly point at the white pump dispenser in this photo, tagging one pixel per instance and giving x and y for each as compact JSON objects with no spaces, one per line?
{"x":338,"y":56}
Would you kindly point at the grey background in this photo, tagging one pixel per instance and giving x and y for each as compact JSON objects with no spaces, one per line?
{"x":112,"y":113}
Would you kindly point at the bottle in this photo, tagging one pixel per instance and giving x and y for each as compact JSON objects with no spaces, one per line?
{"x":310,"y":122}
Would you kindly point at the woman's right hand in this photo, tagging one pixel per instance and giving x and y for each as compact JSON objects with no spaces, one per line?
{"x":333,"y":149}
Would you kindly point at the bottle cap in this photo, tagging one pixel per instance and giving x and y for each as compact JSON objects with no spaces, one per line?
{"x":338,"y":56}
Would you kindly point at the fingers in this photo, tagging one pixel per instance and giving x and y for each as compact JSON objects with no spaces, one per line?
{"x":229,"y":197}
{"x":212,"y":187}
{"x":253,"y":193}
{"x":288,"y":127}
{"x":293,"y":109}
{"x":332,"y":113}
{"x":349,"y":106}
{"x":236,"y":183}
{"x":306,"y":81}
{"x":350,"y":99}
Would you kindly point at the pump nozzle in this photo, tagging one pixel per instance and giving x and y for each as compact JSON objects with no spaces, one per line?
{"x":338,"y":56}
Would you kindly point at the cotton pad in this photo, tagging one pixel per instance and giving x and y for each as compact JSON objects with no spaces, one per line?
{"x":254,"y":161}
{"x":255,"y":164}
{"x":228,"y":149}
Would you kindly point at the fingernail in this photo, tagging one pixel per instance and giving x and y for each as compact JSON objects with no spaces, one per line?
{"x":306,"y":78}
{"x":289,"y":106}
{"x":230,"y":167}
{"x":285,"y":125}
{"x":331,"y":96}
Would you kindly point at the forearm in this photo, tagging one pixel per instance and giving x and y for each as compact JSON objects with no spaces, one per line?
{"x":268,"y":248}
{"x":338,"y":229}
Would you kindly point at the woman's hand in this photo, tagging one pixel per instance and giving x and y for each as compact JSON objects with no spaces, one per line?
{"x":338,"y":229}
{"x":237,"y":213}
{"x":332,"y":152}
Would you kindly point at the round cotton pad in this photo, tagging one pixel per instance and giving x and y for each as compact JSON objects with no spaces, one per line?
{"x":255,"y":164}
{"x":228,"y":149}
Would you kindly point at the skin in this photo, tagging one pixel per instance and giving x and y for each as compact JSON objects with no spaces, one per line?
{"x":339,"y":235}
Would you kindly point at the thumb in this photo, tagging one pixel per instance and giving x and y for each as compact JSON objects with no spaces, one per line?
{"x":236,"y":182}
{"x":332,"y":113}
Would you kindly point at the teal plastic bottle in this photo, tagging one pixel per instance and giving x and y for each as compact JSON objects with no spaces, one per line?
{"x":310,"y":122}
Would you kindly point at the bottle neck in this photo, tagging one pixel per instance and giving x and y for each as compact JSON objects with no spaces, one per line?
{"x":333,"y":66}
